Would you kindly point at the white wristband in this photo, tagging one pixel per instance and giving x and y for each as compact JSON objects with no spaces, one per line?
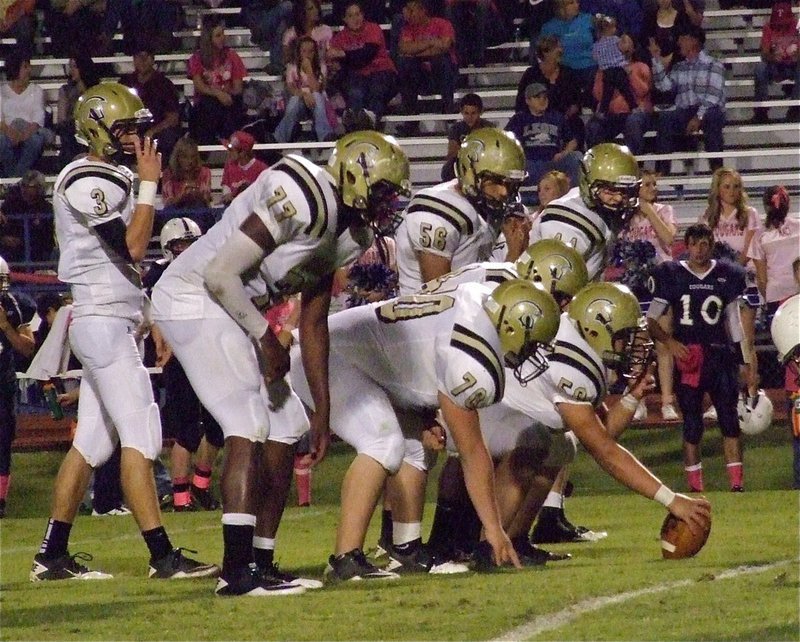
{"x":147,"y":193}
{"x":629,"y":402}
{"x":664,"y":496}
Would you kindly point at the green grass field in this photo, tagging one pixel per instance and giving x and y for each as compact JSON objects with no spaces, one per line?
{"x":743,"y":585}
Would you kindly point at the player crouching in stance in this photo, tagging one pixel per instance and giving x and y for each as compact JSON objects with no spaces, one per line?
{"x":396,"y":363}
{"x":103,"y":233}
{"x":286,"y":233}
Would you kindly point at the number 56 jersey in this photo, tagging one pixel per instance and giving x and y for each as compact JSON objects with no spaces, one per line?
{"x":414,"y":347}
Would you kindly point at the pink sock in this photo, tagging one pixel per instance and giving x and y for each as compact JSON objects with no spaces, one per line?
{"x":4,"y":480}
{"x":302,"y":479}
{"x":735,"y":472}
{"x":202,"y":477}
{"x":694,"y":477}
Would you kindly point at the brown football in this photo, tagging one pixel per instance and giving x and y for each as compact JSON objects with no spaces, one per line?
{"x":677,"y":541}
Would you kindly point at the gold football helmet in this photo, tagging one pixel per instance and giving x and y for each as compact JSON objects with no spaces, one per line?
{"x":526,"y":318}
{"x":104,"y":113}
{"x":558,"y":267}
{"x":612,"y":167}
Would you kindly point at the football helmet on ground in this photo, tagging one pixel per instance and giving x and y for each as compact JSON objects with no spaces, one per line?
{"x":526,"y":318}
{"x":5,"y":275}
{"x":610,"y":320}
{"x":612,"y":168}
{"x":370,"y":170}
{"x":558,"y":267}
{"x":490,"y":154}
{"x":106,"y":112}
{"x":178,"y":229}
{"x":755,"y":413}
{"x":785,"y":330}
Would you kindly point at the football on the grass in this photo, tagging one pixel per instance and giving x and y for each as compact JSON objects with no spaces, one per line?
{"x":677,"y":541}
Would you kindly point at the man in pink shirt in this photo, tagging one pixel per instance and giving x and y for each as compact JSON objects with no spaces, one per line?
{"x":427,"y":57}
{"x":241,"y":167}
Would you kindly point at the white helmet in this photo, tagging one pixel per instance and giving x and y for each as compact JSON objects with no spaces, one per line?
{"x":5,"y":275}
{"x":178,"y":229}
{"x":785,"y":329}
{"x":755,"y":413}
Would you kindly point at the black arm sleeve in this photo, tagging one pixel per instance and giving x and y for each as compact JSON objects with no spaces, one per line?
{"x":113,"y":234}
{"x":360,"y":58}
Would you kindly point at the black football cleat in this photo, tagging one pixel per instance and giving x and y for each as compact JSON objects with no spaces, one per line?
{"x":176,"y":566}
{"x":65,"y":567}
{"x":353,"y":567}
{"x":250,"y":581}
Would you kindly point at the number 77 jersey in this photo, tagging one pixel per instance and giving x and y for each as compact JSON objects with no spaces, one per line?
{"x":698,"y":300}
{"x":414,"y":347}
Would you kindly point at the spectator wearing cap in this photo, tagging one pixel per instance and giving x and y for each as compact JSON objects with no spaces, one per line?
{"x":22,"y":131}
{"x":547,"y":140}
{"x":186,"y":183}
{"x":159,"y":95}
{"x":241,"y":167}
{"x":82,"y":73}
{"x":26,"y":206}
{"x":780,"y":58}
{"x":471,"y":110}
{"x":699,"y":84}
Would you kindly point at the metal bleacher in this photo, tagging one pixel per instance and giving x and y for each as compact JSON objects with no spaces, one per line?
{"x":764,"y":154}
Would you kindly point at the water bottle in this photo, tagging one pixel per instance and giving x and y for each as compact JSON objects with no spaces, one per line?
{"x":51,"y":396}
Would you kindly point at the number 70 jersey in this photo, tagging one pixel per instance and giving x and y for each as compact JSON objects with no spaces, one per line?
{"x":698,"y":301}
{"x":416,"y":346}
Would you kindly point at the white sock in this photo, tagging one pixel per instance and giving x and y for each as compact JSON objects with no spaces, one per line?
{"x":402,"y":533}
{"x":554,"y":500}
{"x":264,"y":543}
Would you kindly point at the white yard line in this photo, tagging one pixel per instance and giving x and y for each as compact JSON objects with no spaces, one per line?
{"x":560,"y":618}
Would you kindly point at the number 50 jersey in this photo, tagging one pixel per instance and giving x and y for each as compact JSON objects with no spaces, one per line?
{"x":414,"y":347}
{"x":698,"y":300}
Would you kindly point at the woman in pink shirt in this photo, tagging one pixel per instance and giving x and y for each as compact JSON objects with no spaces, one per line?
{"x":775,"y":249}
{"x":186,"y":183}
{"x":654,"y":223}
{"x":735,"y":224}
{"x":307,"y":21}
{"x":217,"y":72}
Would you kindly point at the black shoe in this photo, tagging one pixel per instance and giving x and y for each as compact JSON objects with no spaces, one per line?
{"x":204,"y":498}
{"x":353,"y":566}
{"x":553,"y":528}
{"x":737,"y":489}
{"x":415,"y":558}
{"x":191,"y":507}
{"x":483,"y":558}
{"x":272,"y":572}
{"x":584,"y":534}
{"x":64,"y":567}
{"x":249,"y":580}
{"x":175,"y":566}
{"x":530,"y":555}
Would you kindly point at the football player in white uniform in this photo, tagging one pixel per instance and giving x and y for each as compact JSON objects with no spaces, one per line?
{"x":286,"y":233}
{"x":103,"y":234}
{"x":602,"y":328}
{"x":453,"y":224}
{"x":396,"y":363}
{"x":590,"y":216}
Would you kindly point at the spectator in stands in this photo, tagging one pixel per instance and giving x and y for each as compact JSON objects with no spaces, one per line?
{"x":613,"y":64}
{"x":564,"y":88}
{"x":534,"y":14}
{"x":217,"y":72}
{"x":663,"y":23}
{"x":306,"y":76}
{"x":699,"y":84}
{"x":775,"y":249}
{"x":479,"y":24}
{"x":18,"y":20}
{"x":780,"y":58}
{"x":82,"y":73}
{"x":26,"y":206}
{"x":241,"y":167}
{"x":735,"y":224}
{"x":694,"y":10}
{"x":186,"y":183}
{"x":628,"y":14}
{"x":427,"y":57}
{"x":575,"y":32}
{"x":16,"y":340}
{"x":547,"y":140}
{"x":307,"y":21}
{"x":267,"y":21}
{"x":620,"y":118}
{"x":22,"y":131}
{"x":366,"y":73}
{"x":159,"y":95}
{"x":76,"y":22}
{"x":654,"y":224}
{"x":471,"y":110}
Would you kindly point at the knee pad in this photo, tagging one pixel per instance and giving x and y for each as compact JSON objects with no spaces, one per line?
{"x":142,"y":431}
{"x":288,"y":419}
{"x":94,"y":441}
{"x":387,"y":450}
{"x":417,"y":456}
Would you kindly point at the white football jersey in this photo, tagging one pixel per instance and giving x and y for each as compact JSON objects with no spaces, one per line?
{"x":575,"y":374}
{"x":440,"y":220}
{"x":296,"y":201}
{"x":568,"y":220}
{"x":488,"y":272}
{"x":86,"y":194}
{"x":416,"y":346}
